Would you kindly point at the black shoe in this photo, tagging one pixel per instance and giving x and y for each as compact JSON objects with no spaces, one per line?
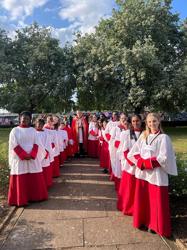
{"x":151,"y":231}
{"x":105,"y":171}
{"x":143,"y":228}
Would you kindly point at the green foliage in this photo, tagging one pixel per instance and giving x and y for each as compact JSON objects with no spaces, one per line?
{"x":40,"y":69}
{"x":4,"y":169}
{"x":131,"y":60}
{"x":4,"y":176}
{"x":178,"y":185}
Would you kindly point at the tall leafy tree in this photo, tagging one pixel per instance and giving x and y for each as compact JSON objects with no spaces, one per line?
{"x":39,"y":71}
{"x":131,"y":60}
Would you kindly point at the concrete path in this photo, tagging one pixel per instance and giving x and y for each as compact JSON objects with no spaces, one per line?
{"x":80,"y":214}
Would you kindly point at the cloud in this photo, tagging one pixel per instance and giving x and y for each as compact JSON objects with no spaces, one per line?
{"x":82,"y":16}
{"x":20,"y":9}
{"x":73,"y":15}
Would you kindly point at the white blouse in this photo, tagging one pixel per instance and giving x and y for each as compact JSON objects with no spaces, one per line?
{"x":158,"y":146}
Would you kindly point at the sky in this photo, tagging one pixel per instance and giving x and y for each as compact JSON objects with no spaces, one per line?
{"x":63,"y":17}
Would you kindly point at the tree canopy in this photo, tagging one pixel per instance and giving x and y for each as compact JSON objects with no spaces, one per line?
{"x":40,"y":72}
{"x":137,"y":58}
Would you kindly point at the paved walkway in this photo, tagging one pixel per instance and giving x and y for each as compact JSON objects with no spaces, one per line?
{"x":80,"y":214}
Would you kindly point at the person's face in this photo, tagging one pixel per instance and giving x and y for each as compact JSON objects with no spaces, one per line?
{"x":125,"y":124}
{"x":55,"y":120}
{"x":94,"y":118}
{"x":79,"y":114}
{"x":136,"y":122}
{"x":39,"y":125}
{"x":104,"y":124}
{"x":114,"y":117}
{"x":123,"y":118}
{"x":25,"y":120}
{"x":50,"y":121}
{"x":100,"y":123}
{"x":153,"y":123}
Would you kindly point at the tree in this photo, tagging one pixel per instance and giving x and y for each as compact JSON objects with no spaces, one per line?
{"x":39,"y":72}
{"x":4,"y":48}
{"x":131,"y":60}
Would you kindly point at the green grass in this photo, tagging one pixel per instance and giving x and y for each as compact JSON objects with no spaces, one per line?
{"x":178,"y":136}
{"x":4,"y":134}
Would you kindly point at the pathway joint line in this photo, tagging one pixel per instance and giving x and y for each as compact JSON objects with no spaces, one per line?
{"x":7,"y":218}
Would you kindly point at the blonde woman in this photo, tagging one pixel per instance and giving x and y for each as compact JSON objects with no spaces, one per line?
{"x":154,"y":159}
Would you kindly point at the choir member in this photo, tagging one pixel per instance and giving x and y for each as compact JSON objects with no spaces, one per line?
{"x":154,"y":159}
{"x":46,"y":143}
{"x":66,"y":127}
{"x":104,"y":152}
{"x":115,"y":148}
{"x":128,"y":181}
{"x":93,"y":137}
{"x":63,"y":140}
{"x":49,"y":127}
{"x":80,"y":133}
{"x":112,"y":123}
{"x":25,"y":160}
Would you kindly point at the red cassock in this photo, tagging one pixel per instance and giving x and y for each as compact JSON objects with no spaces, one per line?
{"x":70,"y":147}
{"x":75,"y":133}
{"x":104,"y":151}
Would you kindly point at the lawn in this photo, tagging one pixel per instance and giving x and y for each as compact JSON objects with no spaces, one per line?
{"x":4,"y":134}
{"x":178,"y":136}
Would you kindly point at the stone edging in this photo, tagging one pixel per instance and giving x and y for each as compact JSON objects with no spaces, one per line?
{"x":179,"y":243}
{"x":7,"y":218}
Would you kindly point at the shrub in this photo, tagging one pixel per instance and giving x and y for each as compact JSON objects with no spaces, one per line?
{"x":178,"y":184}
{"x":4,"y":176}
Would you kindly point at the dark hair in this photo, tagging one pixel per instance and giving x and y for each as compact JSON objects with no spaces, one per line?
{"x":40,"y":120}
{"x":26,"y":113}
{"x":136,"y":115}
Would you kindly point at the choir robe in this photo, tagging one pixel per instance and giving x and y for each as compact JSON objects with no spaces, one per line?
{"x":93,"y":140}
{"x":46,"y":164}
{"x":126,"y":192}
{"x":80,"y":134}
{"x":151,"y":202}
{"x":55,"y":150}
{"x":104,"y":151}
{"x":63,"y":141}
{"x":116,"y":145}
{"x":70,"y":151}
{"x":110,"y":125}
{"x":26,"y":176}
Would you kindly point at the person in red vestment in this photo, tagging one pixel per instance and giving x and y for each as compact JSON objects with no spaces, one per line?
{"x":80,"y":133}
{"x":65,"y":126}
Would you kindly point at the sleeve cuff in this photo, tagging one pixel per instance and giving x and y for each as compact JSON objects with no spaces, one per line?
{"x":34,"y":151}
{"x":21,"y":153}
{"x":116,"y":144}
{"x":108,"y":136}
{"x":125,"y":155}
